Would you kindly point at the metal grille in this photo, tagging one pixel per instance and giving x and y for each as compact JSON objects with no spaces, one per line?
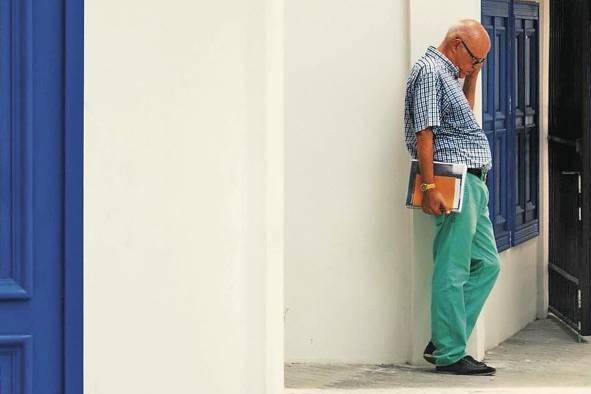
{"x":564,"y":296}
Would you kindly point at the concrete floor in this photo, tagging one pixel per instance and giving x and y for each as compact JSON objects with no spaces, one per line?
{"x":543,"y":358}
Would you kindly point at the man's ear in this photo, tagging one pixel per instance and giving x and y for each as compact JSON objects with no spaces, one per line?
{"x":457,"y":43}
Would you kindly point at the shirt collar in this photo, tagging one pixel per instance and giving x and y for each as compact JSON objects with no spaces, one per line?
{"x":452,"y":68}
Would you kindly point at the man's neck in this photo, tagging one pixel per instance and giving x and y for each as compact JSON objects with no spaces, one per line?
{"x":446,"y":52}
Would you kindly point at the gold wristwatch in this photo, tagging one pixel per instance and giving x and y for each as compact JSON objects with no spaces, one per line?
{"x":427,"y":186}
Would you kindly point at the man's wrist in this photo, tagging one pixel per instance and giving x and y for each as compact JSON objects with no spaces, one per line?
{"x":471,"y":77}
{"x":426,"y":186}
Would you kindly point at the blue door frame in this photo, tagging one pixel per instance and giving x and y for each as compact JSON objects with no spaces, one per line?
{"x":73,"y":195}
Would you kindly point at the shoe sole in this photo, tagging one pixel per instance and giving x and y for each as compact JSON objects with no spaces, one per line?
{"x":467,"y":374}
{"x":431,"y":360}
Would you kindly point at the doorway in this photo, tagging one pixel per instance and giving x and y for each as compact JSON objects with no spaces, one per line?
{"x":570,"y":163}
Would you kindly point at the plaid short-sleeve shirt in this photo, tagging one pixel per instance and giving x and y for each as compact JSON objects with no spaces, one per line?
{"x":434,"y":98}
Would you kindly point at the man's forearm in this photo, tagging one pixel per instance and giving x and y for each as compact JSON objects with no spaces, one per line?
{"x":425,"y":154}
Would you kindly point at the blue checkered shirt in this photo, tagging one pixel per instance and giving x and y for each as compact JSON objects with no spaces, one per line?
{"x":435,"y":99}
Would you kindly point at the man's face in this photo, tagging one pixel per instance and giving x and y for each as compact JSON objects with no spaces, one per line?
{"x":470,"y":55}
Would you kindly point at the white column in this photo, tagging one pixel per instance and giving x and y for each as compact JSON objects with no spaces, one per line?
{"x":542,"y":269}
{"x":183,"y":197}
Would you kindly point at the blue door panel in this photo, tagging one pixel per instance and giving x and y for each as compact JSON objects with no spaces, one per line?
{"x":15,"y":139}
{"x":496,"y":116}
{"x":526,"y":161}
{"x":16,"y":364}
{"x":31,"y":196}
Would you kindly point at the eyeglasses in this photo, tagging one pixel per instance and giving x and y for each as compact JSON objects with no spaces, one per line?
{"x":475,"y":60}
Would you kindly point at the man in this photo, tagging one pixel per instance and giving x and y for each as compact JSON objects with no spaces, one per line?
{"x":440,"y":125}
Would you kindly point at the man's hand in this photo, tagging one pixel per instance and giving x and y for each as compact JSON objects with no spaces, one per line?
{"x":433,"y":203}
{"x":475,"y":70}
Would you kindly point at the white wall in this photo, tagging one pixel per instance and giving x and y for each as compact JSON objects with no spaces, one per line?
{"x":347,"y":242}
{"x":184,"y":193}
{"x":183,"y":197}
{"x":513,"y":301}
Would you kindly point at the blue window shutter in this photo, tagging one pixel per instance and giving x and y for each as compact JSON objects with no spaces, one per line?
{"x":526,"y":153}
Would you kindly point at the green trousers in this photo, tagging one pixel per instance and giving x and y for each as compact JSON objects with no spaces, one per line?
{"x":466,"y":266}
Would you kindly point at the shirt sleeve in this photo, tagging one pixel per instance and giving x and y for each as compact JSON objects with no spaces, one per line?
{"x":426,"y":102}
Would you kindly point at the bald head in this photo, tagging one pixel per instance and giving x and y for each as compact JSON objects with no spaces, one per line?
{"x":465,"y":43}
{"x":469,"y":30}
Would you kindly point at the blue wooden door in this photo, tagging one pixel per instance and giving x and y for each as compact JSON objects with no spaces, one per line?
{"x":31,"y":196}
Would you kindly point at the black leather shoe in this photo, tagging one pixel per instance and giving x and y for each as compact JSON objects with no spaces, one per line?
{"x":430,"y":349}
{"x":428,"y":353}
{"x":466,"y":367}
{"x":473,"y":360}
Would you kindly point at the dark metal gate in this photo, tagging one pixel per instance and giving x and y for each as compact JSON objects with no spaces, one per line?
{"x":570,"y":162}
